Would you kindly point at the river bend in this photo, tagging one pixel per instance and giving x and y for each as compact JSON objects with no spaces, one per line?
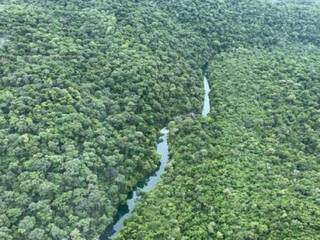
{"x":125,"y":211}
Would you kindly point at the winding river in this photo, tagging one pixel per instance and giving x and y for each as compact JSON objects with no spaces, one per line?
{"x":125,"y":211}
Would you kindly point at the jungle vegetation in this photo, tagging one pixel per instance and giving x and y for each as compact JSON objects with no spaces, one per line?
{"x":85,"y":86}
{"x":250,"y":171}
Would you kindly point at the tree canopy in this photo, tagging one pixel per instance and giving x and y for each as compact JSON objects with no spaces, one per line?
{"x":85,"y":86}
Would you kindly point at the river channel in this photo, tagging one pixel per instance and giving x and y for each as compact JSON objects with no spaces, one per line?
{"x":125,"y":211}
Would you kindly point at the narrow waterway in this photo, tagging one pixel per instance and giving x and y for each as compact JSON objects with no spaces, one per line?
{"x":125,"y":211}
{"x":206,"y":100}
{"x":3,"y":40}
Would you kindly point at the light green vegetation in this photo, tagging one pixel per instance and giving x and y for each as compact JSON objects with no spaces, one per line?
{"x":85,"y":87}
{"x":83,"y":93}
{"x":251,"y":170}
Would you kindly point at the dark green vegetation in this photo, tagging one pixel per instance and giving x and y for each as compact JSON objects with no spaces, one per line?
{"x":84,"y":90}
{"x":86,"y":85}
{"x":252,"y":170}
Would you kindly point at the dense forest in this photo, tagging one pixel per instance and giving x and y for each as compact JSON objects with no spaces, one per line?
{"x":83,"y":94}
{"x":251,"y":170}
{"x":86,"y":85}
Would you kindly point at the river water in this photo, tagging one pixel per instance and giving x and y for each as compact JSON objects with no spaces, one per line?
{"x":125,"y":211}
{"x":3,"y":40}
{"x":206,"y":100}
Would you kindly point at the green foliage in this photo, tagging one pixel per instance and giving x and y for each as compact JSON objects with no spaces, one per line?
{"x":251,"y":170}
{"x":84,"y":91}
{"x":85,"y":86}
